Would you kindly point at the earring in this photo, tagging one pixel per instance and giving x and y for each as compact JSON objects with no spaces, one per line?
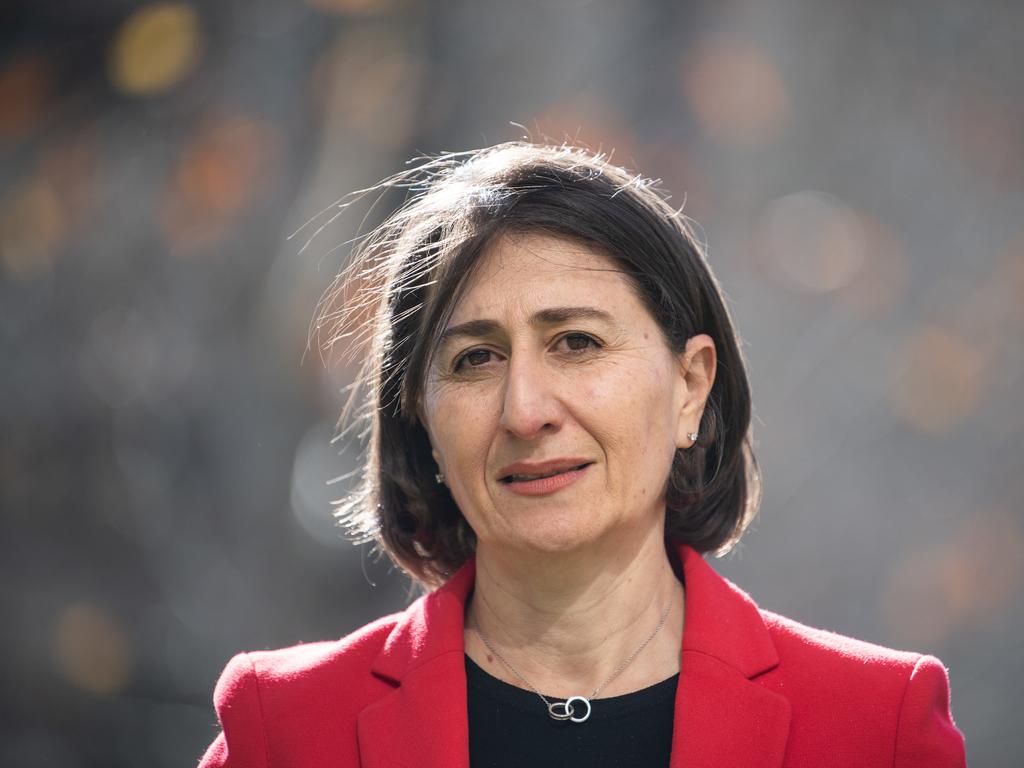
{"x":439,"y":477}
{"x":692,"y":436}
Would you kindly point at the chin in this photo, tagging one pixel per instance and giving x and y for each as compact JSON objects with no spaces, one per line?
{"x":555,"y":534}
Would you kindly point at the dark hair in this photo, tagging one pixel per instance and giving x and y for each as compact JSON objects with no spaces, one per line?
{"x":400,"y":289}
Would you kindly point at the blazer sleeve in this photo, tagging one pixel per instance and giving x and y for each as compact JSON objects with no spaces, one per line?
{"x":926,"y":736}
{"x":242,"y":740}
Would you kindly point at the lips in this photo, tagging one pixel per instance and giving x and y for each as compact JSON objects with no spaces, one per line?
{"x":526,"y":471}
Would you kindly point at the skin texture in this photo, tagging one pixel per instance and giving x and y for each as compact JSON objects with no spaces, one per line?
{"x":568,"y":584}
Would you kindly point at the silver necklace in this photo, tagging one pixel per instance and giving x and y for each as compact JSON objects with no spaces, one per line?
{"x":564,"y":710}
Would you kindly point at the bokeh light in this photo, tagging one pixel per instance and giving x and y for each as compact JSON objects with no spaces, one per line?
{"x":591,"y":121}
{"x":355,"y":7}
{"x":815,"y":243}
{"x":92,"y":648}
{"x":229,"y":162}
{"x":167,"y":470}
{"x":31,"y":226}
{"x":321,"y":474}
{"x":26,"y":82}
{"x":939,"y":381}
{"x":737,"y":92}
{"x":370,"y":80}
{"x":986,"y":137}
{"x":156,"y":47}
{"x":883,"y":277}
{"x":938,"y":590}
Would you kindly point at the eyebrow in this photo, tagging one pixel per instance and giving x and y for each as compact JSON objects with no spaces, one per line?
{"x":540,"y":319}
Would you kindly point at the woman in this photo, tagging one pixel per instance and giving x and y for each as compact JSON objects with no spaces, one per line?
{"x":559,"y":426}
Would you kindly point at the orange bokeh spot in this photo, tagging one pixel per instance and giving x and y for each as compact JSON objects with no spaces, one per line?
{"x":985,"y":135}
{"x":882,"y":280}
{"x":224,"y":168}
{"x":940,"y":382}
{"x":589,"y":121}
{"x":25,"y":89}
{"x":368,"y":84}
{"x":973,"y":577}
{"x":737,"y":92}
{"x":354,"y":7}
{"x":32,"y":223}
{"x":92,"y":649}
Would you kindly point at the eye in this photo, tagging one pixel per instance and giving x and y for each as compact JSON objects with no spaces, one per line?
{"x":579,"y":342}
{"x":474,"y":357}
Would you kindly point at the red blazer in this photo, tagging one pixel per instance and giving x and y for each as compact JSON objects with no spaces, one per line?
{"x":755,"y":689}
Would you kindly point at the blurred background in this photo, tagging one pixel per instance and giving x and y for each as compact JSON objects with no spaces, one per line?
{"x":166,"y":468}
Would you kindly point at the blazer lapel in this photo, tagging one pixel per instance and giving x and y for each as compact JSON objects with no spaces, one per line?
{"x":722,"y":716}
{"x":423,"y":721}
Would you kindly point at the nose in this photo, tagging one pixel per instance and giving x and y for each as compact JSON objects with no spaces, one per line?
{"x":531,"y":406}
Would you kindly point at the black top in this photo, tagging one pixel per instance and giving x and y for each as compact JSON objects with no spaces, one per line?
{"x":510,"y":727}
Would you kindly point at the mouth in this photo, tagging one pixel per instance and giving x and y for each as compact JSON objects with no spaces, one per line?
{"x":524,"y":478}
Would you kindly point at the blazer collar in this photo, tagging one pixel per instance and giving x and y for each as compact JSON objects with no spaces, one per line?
{"x":431,"y":627}
{"x":722,"y":716}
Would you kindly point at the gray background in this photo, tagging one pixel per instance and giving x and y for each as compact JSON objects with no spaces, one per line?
{"x":165,"y":465}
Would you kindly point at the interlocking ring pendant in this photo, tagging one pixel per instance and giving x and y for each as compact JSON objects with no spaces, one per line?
{"x":560,"y":710}
{"x":571,"y":709}
{"x":564,"y":710}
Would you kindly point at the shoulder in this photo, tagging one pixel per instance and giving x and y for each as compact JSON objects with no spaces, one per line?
{"x":306,"y":665}
{"x":839,"y":664}
{"x":305,"y":690}
{"x":796,"y":640}
{"x":848,"y":686}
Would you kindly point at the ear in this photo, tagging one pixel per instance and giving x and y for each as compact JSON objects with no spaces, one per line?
{"x":697,"y":364}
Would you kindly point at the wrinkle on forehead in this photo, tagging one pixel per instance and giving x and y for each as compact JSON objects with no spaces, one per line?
{"x":542,"y":244}
{"x":549,"y":251}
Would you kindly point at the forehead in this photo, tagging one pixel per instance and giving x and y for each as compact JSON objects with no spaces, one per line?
{"x":537,"y":269}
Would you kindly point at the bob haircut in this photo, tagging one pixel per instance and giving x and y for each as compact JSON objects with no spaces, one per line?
{"x":396,"y":296}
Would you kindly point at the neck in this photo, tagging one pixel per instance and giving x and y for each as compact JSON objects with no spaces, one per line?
{"x":567,"y":621}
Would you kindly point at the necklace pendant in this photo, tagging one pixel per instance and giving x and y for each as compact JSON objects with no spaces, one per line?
{"x":559,"y":710}
{"x":572,"y":710}
{"x":564,"y":710}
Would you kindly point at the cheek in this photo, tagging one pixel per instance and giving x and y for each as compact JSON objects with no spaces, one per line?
{"x":632,"y":402}
{"x":630,"y":415}
{"x":460,"y":425}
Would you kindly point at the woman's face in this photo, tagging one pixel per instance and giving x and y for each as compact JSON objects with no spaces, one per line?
{"x":551,"y":363}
